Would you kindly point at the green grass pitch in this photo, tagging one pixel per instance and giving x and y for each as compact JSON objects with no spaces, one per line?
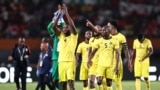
{"x":127,"y":85}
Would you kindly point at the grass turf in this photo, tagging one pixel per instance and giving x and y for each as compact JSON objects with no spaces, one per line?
{"x":127,"y":85}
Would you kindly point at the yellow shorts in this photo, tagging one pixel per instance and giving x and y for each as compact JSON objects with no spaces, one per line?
{"x":93,"y":69}
{"x":141,"y":69}
{"x":66,"y":71}
{"x":107,"y":72}
{"x":84,"y":71}
{"x":119,"y":76}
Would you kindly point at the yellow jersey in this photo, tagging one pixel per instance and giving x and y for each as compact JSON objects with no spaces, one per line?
{"x":67,"y":47}
{"x":83,"y":49}
{"x":92,"y":43}
{"x":106,"y":51}
{"x":141,"y":48}
{"x":121,"y":39}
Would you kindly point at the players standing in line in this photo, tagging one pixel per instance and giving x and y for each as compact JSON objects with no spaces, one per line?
{"x":20,"y":55}
{"x":68,"y":38}
{"x":107,"y":46}
{"x":82,"y":51}
{"x":123,"y":46}
{"x":142,"y":50}
{"x":55,"y":52}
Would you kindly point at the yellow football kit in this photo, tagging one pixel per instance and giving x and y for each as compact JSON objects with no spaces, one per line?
{"x":121,"y":39}
{"x":83,"y":50}
{"x":141,"y":68}
{"x":106,"y":57}
{"x":67,"y":56}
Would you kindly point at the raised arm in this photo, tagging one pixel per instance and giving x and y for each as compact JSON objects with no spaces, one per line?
{"x":55,"y":28}
{"x":90,"y":25}
{"x":69,"y":20}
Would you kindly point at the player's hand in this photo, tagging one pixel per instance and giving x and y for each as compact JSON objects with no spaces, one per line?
{"x":37,"y":66}
{"x":60,"y":10}
{"x":10,"y":58}
{"x":130,"y":67}
{"x":26,"y":56}
{"x":59,"y":7}
{"x":89,"y":63}
{"x":65,"y":8}
{"x":89,"y":23}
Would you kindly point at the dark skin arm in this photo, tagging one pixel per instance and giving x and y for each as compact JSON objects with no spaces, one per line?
{"x":90,"y":25}
{"x":77,"y":58}
{"x":133,"y":55}
{"x":127,"y":55}
{"x":91,"y":55}
{"x":150,"y":52}
{"x":69,"y":20}
{"x":117,"y":60}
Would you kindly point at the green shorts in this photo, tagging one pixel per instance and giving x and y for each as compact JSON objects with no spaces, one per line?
{"x":55,"y":75}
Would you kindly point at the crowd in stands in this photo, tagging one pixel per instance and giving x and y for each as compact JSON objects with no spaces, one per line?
{"x":29,"y":18}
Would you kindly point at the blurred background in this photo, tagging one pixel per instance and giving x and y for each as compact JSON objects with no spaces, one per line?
{"x":29,"y":18}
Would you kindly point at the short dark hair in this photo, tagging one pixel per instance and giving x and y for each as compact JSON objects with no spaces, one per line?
{"x":45,"y":39}
{"x":140,"y":36}
{"x":114,"y":23}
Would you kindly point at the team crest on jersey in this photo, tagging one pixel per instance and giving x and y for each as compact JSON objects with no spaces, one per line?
{"x":110,"y":43}
{"x":87,"y":49}
{"x":65,"y":40}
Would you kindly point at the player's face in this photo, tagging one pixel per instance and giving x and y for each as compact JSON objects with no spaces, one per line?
{"x":88,"y":34}
{"x":66,"y":29}
{"x":105,"y":31}
{"x":111,"y":28}
{"x":99,"y":28}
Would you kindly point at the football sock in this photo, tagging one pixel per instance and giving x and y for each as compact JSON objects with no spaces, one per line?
{"x":118,"y":85}
{"x":85,"y":88}
{"x":109,"y":87}
{"x":100,"y":87}
{"x":138,"y":84}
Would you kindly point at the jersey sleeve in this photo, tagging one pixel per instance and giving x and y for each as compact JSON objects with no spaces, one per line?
{"x":90,"y":42}
{"x":123,"y":39}
{"x":134,"y":44}
{"x":79,"y":49}
{"x":149,"y":44}
{"x":50,"y":29}
{"x":116,"y":44}
{"x":96,"y":44}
